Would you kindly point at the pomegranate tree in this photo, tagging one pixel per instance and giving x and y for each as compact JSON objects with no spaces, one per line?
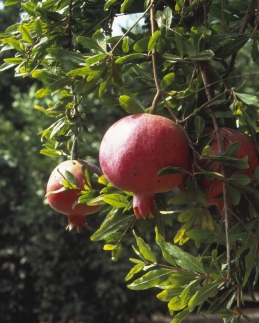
{"x":135,"y":149}
{"x":213,"y":188}
{"x":63,"y":200}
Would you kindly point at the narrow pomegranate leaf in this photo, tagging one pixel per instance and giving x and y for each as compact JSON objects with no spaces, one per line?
{"x":180,"y":316}
{"x":232,"y":149}
{"x":203,"y":294}
{"x":188,"y":291}
{"x":176,"y":304}
{"x":172,"y":170}
{"x":153,"y":40}
{"x":89,"y":43}
{"x":250,"y":261}
{"x":239,"y":179}
{"x":233,"y":194}
{"x":145,"y":249}
{"x":167,"y":294}
{"x":126,"y":4}
{"x":116,"y":200}
{"x":116,"y":252}
{"x":115,"y":221}
{"x":141,"y":45}
{"x":95,"y":59}
{"x":125,"y":45}
{"x":199,"y":124}
{"x":182,"y":199}
{"x":151,"y":279}
{"x":108,"y":4}
{"x":221,"y":301}
{"x":130,"y":105}
{"x":137,"y":268}
{"x":183,"y":259}
{"x":129,"y":58}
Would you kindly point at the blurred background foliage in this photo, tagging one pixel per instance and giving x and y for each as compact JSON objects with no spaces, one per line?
{"x":47,"y":273}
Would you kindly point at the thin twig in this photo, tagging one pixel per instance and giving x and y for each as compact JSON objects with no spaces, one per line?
{"x":129,"y":30}
{"x":205,"y":69}
{"x":154,"y":63}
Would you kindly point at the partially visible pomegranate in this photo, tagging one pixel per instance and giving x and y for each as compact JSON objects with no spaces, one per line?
{"x":135,"y":149}
{"x":213,"y":188}
{"x":63,"y":201}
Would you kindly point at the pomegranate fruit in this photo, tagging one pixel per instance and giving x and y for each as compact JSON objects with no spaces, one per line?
{"x":62,"y":201}
{"x":213,"y":188}
{"x":135,"y":149}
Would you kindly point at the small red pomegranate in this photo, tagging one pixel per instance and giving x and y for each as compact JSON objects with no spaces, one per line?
{"x":214,"y":190}
{"x":135,"y":149}
{"x":63,"y":201}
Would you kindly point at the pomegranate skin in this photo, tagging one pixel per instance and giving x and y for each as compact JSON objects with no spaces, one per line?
{"x":135,"y":149}
{"x":62,"y":202}
{"x":214,"y":190}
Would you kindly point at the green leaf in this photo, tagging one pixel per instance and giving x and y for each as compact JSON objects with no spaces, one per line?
{"x":125,"y":45}
{"x":125,"y":5}
{"x":172,"y":170}
{"x":202,"y":56}
{"x":167,"y":80}
{"x":202,"y":295}
{"x":89,"y":43}
{"x":182,"y":199}
{"x":129,"y":105}
{"x":99,"y":37}
{"x":38,"y":27}
{"x":116,"y":200}
{"x":182,"y":258}
{"x":176,"y":304}
{"x":113,"y":222}
{"x":108,"y":4}
{"x":151,"y":279}
{"x":248,"y":99}
{"x":168,"y":14}
{"x":199,"y":124}
{"x":16,"y":44}
{"x":250,"y":262}
{"x":137,"y":268}
{"x":8,"y":3}
{"x":154,"y":39}
{"x":171,"y":58}
{"x":145,"y":249}
{"x":95,"y":59}
{"x":129,"y":58}
{"x":26,"y":35}
{"x":59,"y":84}
{"x":239,"y":179}
{"x":233,"y":194}
{"x":232,"y":149}
{"x":141,"y":45}
{"x":180,"y":316}
{"x":167,"y":294}
{"x":65,"y":55}
{"x":231,"y":47}
{"x":220,"y":301}
{"x":160,"y":19}
{"x":13,"y":60}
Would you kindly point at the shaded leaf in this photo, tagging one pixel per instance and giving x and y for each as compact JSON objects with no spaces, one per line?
{"x":116,"y":200}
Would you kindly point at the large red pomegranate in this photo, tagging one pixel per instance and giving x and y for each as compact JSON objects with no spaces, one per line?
{"x":213,"y":188}
{"x":135,"y":149}
{"x":63,"y":200}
